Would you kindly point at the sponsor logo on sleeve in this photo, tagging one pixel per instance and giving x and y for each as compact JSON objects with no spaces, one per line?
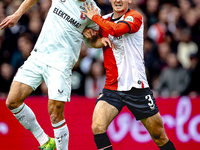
{"x":129,"y":18}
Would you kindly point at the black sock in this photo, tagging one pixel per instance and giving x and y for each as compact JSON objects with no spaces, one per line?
{"x":102,"y":141}
{"x":168,"y":146}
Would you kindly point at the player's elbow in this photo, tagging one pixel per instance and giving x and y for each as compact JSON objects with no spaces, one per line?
{"x":115,"y":34}
{"x":118,"y":31}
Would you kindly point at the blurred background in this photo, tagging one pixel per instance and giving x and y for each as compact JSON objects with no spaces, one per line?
{"x":171,"y":53}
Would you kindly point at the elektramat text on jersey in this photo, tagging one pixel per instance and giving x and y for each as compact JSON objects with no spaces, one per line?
{"x":66,"y":17}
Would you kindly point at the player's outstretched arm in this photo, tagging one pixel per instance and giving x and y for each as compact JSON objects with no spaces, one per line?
{"x":11,"y":20}
{"x":108,"y":26}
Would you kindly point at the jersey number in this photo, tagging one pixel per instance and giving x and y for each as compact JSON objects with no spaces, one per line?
{"x":151,"y":104}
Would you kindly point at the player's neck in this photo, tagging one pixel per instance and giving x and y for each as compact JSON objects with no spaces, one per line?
{"x":119,"y":14}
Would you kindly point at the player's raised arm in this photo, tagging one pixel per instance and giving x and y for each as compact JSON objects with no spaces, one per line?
{"x":114,"y":29}
{"x":11,"y":20}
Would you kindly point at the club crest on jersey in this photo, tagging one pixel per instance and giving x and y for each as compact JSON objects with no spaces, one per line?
{"x":129,"y":18}
{"x":83,"y":16}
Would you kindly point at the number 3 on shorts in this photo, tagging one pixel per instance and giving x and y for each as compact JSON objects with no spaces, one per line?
{"x":151,"y":104}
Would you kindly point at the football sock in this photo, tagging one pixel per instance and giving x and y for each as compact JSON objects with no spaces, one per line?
{"x":43,"y":138}
{"x":61,"y":134}
{"x":102,"y":141}
{"x":168,"y":146}
{"x":27,"y":118}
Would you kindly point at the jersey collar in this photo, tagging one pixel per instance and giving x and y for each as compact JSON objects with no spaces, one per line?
{"x":111,"y":19}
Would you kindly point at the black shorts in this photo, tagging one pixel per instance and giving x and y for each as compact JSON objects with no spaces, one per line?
{"x":140,"y":102}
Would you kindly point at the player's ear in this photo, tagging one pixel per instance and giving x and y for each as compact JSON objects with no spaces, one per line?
{"x":130,"y":1}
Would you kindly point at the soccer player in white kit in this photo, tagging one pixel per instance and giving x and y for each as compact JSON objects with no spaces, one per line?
{"x":126,"y":82}
{"x":52,"y":59}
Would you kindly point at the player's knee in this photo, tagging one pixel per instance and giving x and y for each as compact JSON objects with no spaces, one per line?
{"x":156,"y":135}
{"x":53,"y":118}
{"x":11,"y":104}
{"x":159,"y":137}
{"x":56,"y":117}
{"x":97,"y":128}
{"x":56,"y":111}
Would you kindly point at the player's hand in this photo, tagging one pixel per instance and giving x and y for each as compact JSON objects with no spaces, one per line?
{"x":90,"y":11}
{"x":107,"y":42}
{"x":9,"y":21}
{"x":89,"y":33}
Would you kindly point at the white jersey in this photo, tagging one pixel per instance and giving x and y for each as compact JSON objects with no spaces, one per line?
{"x":60,"y":40}
{"x":125,"y":66}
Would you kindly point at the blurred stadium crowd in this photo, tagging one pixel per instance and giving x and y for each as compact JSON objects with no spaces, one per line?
{"x":171,"y":47}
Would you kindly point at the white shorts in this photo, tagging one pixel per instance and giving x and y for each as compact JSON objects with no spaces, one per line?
{"x":33,"y":72}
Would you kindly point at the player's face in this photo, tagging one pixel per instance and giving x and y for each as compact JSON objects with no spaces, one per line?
{"x":120,"y":5}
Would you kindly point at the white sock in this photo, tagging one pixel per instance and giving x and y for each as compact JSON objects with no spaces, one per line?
{"x":27,"y":118}
{"x":43,"y":138}
{"x":61,"y":134}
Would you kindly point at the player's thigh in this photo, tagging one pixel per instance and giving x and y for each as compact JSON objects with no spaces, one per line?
{"x":154,"y":125}
{"x":18,"y":92}
{"x":27,"y":79}
{"x":103,"y":114}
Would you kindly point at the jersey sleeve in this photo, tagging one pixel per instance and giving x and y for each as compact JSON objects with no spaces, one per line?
{"x":130,"y":24}
{"x":134,"y":21}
